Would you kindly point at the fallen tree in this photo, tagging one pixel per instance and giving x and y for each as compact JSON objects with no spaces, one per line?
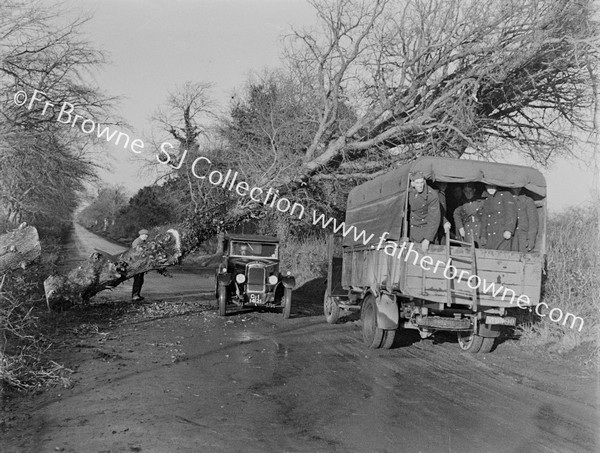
{"x":103,"y":271}
{"x":18,"y":248}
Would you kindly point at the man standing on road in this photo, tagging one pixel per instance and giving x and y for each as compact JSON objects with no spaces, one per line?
{"x":138,"y":279}
{"x":425,"y":213}
{"x":499,"y":219}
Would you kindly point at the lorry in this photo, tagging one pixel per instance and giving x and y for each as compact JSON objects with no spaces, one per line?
{"x":395,"y":285}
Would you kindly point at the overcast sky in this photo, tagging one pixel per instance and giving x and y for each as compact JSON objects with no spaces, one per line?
{"x":156,"y":45}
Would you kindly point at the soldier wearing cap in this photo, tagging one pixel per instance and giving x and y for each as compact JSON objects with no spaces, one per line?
{"x":138,"y":279}
{"x":425,"y":214}
{"x":467,"y":217}
{"x":527,"y":222}
{"x":499,"y":219}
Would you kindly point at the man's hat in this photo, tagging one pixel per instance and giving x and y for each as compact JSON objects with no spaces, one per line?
{"x":417,"y":175}
{"x":142,"y":232}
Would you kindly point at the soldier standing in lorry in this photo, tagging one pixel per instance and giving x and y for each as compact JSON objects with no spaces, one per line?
{"x":425,"y":214}
{"x":527,"y":222}
{"x":499,"y":219}
{"x":444,"y":228}
{"x":467,"y":217}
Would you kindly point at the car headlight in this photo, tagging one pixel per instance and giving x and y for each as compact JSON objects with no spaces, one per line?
{"x":240,"y":278}
{"x":272,"y":279}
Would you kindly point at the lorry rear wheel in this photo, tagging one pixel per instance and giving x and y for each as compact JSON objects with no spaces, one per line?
{"x":222,"y":300}
{"x":372,"y":335}
{"x":331,"y":309}
{"x":487,"y":345}
{"x":470,"y":342}
{"x":388,"y":339}
{"x":287,"y":303}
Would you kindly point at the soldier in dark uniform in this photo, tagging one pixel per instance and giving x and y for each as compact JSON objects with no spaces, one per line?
{"x":444,"y":228}
{"x":425,"y":215}
{"x":467,"y":217}
{"x":499,"y":219}
{"x":527,"y":222}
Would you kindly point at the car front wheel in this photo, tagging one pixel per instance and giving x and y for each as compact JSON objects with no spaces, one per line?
{"x":287,"y":302}
{"x":222,"y":292}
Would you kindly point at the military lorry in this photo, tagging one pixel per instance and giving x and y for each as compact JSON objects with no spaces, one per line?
{"x":452,"y":287}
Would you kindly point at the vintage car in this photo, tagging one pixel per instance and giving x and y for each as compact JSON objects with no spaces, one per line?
{"x":249,"y":274}
{"x":393,"y":292}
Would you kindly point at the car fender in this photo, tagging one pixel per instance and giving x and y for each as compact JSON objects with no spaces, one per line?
{"x":288,"y":281}
{"x":224,"y":279}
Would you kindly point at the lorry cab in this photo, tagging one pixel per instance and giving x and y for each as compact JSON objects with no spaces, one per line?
{"x":455,"y":285}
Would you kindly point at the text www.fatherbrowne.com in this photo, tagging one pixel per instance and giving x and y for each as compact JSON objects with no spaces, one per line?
{"x":270,"y":197}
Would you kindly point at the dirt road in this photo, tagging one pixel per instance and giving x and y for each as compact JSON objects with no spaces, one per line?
{"x":176,"y":377}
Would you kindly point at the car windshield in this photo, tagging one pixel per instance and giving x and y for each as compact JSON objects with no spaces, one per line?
{"x":246,"y":248}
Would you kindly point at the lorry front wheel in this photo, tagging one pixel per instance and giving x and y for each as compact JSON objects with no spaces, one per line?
{"x":331,"y":309}
{"x":222,"y":300}
{"x":372,"y":335}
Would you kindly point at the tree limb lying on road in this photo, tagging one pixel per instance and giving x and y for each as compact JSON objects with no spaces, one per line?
{"x":102,"y":271}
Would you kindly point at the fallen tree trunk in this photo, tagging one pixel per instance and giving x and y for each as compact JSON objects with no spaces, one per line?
{"x":18,"y":248}
{"x":102,"y":271}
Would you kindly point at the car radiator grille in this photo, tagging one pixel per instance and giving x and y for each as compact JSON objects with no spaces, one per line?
{"x":256,"y":279}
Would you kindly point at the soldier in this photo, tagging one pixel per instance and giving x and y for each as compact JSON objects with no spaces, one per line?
{"x":425,"y":214}
{"x":138,"y":279}
{"x":467,"y":217}
{"x":444,"y":228}
{"x":527,"y":222}
{"x":499,"y":219}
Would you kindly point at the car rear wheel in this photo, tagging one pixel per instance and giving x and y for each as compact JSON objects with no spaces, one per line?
{"x":287,"y":303}
{"x":372,"y":335}
{"x":331,"y":309}
{"x":222,"y":300}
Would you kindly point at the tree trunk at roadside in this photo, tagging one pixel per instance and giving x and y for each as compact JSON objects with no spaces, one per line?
{"x":18,"y":248}
{"x":102,"y":271}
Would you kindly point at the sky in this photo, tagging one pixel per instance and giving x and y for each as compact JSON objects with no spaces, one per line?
{"x":156,"y":45}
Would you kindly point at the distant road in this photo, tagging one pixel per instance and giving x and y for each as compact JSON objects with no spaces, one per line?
{"x":187,"y":282}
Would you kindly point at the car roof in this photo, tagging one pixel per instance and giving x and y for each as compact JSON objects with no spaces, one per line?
{"x":252,"y":238}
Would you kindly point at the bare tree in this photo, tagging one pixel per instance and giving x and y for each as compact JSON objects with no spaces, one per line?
{"x":43,"y":164}
{"x":184,"y":120}
{"x":436,"y":77}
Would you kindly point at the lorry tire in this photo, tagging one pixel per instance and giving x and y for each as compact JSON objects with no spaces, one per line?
{"x":372,"y":335}
{"x":287,"y":302}
{"x":222,"y":291}
{"x":388,"y":339}
{"x":331,"y":309}
{"x":470,"y":342}
{"x":487,"y":345}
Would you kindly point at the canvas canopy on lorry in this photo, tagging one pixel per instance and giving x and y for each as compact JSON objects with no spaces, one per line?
{"x":377,"y":206}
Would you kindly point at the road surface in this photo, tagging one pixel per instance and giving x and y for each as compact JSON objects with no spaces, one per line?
{"x":191,"y":381}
